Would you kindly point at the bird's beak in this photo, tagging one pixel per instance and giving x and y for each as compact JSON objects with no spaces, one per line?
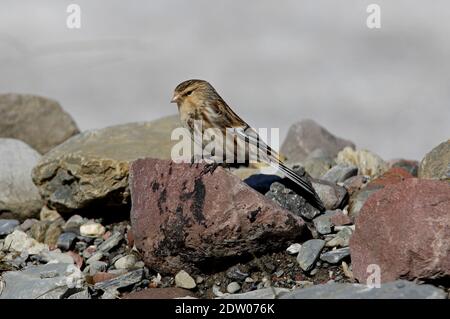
{"x":175,"y":98}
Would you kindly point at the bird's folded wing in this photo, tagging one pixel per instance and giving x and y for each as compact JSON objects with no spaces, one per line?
{"x":273,"y":158}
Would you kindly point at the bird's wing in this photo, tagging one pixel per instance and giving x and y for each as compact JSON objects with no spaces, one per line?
{"x":249,"y":135}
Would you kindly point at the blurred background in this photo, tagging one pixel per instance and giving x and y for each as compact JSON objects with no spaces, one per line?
{"x":274,"y":62}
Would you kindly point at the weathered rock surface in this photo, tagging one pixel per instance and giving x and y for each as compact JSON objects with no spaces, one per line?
{"x":436,"y":164}
{"x":401,"y":289}
{"x":91,"y":169}
{"x":309,"y":253}
{"x":184,"y":217}
{"x":368,"y":163}
{"x":19,"y":198}
{"x":339,"y":173}
{"x":38,"y":121}
{"x":405,"y":229}
{"x":333,"y":196}
{"x":306,"y":136}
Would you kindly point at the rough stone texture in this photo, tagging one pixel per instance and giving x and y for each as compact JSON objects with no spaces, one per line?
{"x":367,"y":162}
{"x":335,"y":256}
{"x":332,"y":195}
{"x":92,"y":168}
{"x":400,"y":289}
{"x":392,"y":176}
{"x":355,"y":183}
{"x":38,"y":121}
{"x":184,"y":217}
{"x":7,"y":226}
{"x":339,"y":173}
{"x":306,"y":136}
{"x":405,"y":229}
{"x":19,"y":198}
{"x":291,"y":201}
{"x":309,"y":253}
{"x":39,"y":282}
{"x":436,"y":164}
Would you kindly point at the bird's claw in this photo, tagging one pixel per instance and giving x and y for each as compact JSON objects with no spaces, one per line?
{"x":209,"y":168}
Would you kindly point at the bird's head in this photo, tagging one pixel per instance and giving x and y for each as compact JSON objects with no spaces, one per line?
{"x":193,"y":92}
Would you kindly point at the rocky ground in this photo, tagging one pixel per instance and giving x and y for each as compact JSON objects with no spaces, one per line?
{"x":106,"y":214}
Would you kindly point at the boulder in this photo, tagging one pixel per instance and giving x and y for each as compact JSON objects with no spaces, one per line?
{"x":404,"y":228}
{"x":436,"y":164}
{"x":185,"y":217}
{"x":38,"y":121}
{"x":368,"y":163}
{"x":90,"y":170}
{"x":19,"y":197}
{"x":306,"y":136}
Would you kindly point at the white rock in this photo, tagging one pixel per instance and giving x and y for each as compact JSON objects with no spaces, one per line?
{"x":19,"y":241}
{"x":183,"y":280}
{"x":92,"y":229}
{"x":233,"y":287}
{"x":125,"y":262}
{"x":294,"y":249}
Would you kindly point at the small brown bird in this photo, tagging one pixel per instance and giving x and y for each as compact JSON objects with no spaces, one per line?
{"x":198,"y":102}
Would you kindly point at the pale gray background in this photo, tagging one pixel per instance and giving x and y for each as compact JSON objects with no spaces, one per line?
{"x":275,"y":62}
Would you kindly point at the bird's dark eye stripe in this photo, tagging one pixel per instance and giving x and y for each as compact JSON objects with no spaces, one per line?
{"x":188,"y":92}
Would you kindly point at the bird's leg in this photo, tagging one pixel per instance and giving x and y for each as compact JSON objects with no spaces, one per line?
{"x":210,"y":168}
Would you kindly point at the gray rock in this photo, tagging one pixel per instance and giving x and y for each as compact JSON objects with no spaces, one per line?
{"x":95,"y":257}
{"x":339,"y":173}
{"x":265,"y":293}
{"x":289,"y":200}
{"x":323,"y":222}
{"x":7,"y":226}
{"x":20,"y":242}
{"x":400,"y":289}
{"x":306,"y":136}
{"x":368,"y":163}
{"x":342,"y":238}
{"x":73,"y":224}
{"x":184,"y":280}
{"x":125,"y":262}
{"x":332,"y":195}
{"x":55,"y":256}
{"x":316,"y":167}
{"x":38,"y":282}
{"x":233,"y":287}
{"x":436,"y":164}
{"x":19,"y":197}
{"x":83,"y":294}
{"x":97,"y":266}
{"x":92,"y":168}
{"x":121,"y":281}
{"x":335,"y":256}
{"x":294,"y":249}
{"x":111,"y":242}
{"x":235,"y":273}
{"x":66,"y":241}
{"x":309,"y":253}
{"x":38,"y":121}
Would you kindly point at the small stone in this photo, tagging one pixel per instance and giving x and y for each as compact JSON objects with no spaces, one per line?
{"x":111,"y":242}
{"x":335,"y":256}
{"x":217,"y":292}
{"x":342,"y":238}
{"x":183,"y":280}
{"x":294,"y":249}
{"x":125,"y":262}
{"x":95,"y":257}
{"x":233,"y":287}
{"x":323,"y":222}
{"x":249,"y":280}
{"x":279,"y":273}
{"x":333,"y":196}
{"x":340,"y":173}
{"x":48,"y":215}
{"x":198,"y":280}
{"x":97,"y":266}
{"x":92,"y":229}
{"x":19,"y":241}
{"x":7,"y":226}
{"x":314,"y":272}
{"x":55,"y":256}
{"x":121,"y":281}
{"x":73,"y":224}
{"x":309,"y":253}
{"x":66,"y":241}
{"x":340,"y":219}
{"x":235,"y":273}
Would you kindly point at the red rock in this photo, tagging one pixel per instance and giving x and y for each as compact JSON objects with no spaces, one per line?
{"x":183,"y":217}
{"x":392,"y":176}
{"x":340,"y":219}
{"x":405,"y":229}
{"x":102,"y":276}
{"x":159,"y":293}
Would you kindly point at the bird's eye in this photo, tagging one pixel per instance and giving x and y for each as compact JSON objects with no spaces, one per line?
{"x":189,"y":93}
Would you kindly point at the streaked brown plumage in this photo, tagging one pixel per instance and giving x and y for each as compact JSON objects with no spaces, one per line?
{"x":197,"y":100}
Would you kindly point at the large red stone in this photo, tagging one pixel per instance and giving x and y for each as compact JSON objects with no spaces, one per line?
{"x":183,"y":217}
{"x":405,"y":229}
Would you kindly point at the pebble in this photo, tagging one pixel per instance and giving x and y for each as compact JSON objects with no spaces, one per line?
{"x":335,"y":256}
{"x":111,"y":242}
{"x":73,"y":224}
{"x":309,"y":253}
{"x":198,"y":280}
{"x":125,"y":262}
{"x":7,"y":226}
{"x":323,"y":222}
{"x":48,"y":215}
{"x":339,"y":173}
{"x":294,"y":249}
{"x":233,"y":287}
{"x":66,"y":241}
{"x":95,"y":257}
{"x":184,"y":280}
{"x":216,"y":291}
{"x":97,"y":266}
{"x":342,"y":238}
{"x":124,"y":280}
{"x":92,"y":229}
{"x":314,"y":271}
{"x":235,"y":273}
